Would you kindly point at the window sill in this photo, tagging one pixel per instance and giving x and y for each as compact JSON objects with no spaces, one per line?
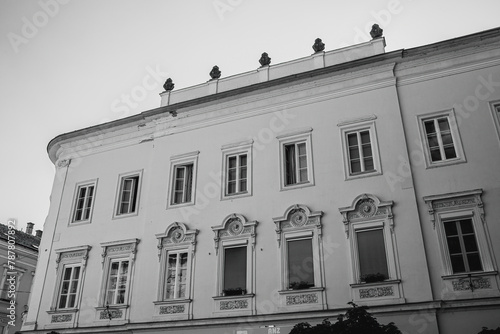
{"x":363,"y":284}
{"x":236,"y":195}
{"x":297,"y":186}
{"x":66,"y":310}
{"x":80,"y":222}
{"x":362,"y":175}
{"x":292,"y":291}
{"x":445,"y":163}
{"x":179,"y":205}
{"x":471,"y":274}
{"x":125,"y":215}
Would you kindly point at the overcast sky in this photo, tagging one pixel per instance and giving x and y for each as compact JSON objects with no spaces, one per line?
{"x":70,"y":64}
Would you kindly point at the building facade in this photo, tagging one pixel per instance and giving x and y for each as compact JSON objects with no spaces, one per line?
{"x":250,"y":203}
{"x":18,"y":258}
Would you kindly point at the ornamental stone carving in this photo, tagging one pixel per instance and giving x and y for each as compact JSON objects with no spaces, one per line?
{"x":110,"y":314}
{"x":383,"y":291}
{"x":168,"y":85}
{"x":234,"y":226}
{"x":63,"y":163}
{"x":176,"y":234}
{"x":72,"y":254}
{"x":233,"y":304}
{"x":61,"y":318}
{"x":376,"y":31}
{"x":471,"y":284}
{"x":172,"y":309}
{"x":318,"y":45}
{"x":310,"y":298}
{"x":298,"y":216}
{"x":215,"y":73}
{"x":366,"y":207}
{"x":264,"y":60}
{"x":128,"y":246}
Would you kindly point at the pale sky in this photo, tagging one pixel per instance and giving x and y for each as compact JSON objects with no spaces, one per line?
{"x":70,"y":64}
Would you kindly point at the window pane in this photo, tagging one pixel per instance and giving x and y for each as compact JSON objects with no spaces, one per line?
{"x":300,"y":262}
{"x":450,"y":152}
{"x":235,"y":268}
{"x":466,"y":226}
{"x":355,"y":166}
{"x":67,"y":273}
{"x":457,"y":263}
{"x":470,"y":243}
{"x":454,"y":245}
{"x":450,"y":228}
{"x":429,"y":127}
{"x":365,"y":137}
{"x":443,"y":124}
{"x":474,"y":262}
{"x":62,"y":301}
{"x":371,"y":252}
{"x":232,"y":162}
{"x":369,"y":164}
{"x":71,"y":301}
{"x":290,"y":167}
{"x":231,"y":187}
{"x":352,"y":139}
{"x":354,"y":152}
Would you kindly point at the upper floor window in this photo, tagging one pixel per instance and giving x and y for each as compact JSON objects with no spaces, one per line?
{"x":237,"y":169}
{"x":296,"y":159}
{"x":85,"y":194}
{"x":439,"y":132}
{"x":495,"y":113}
{"x":360,"y":147}
{"x":183,"y":179}
{"x":462,"y":245}
{"x":128,"y":194}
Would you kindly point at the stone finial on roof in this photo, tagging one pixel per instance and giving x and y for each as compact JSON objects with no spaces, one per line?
{"x":265,"y":60}
{"x":169,"y":85}
{"x":215,"y":73}
{"x":318,"y":45}
{"x":376,"y":31}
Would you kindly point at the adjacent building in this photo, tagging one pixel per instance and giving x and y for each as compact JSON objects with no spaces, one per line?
{"x":18,"y":258}
{"x":250,"y":203}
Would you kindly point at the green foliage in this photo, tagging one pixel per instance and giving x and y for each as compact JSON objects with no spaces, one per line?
{"x":489,"y":331}
{"x":356,"y":320}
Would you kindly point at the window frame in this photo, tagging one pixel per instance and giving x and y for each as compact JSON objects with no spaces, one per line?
{"x":178,"y":161}
{"x":495,"y":113}
{"x":121,"y":179}
{"x":60,"y":293}
{"x":74,"y":208}
{"x":231,"y":150}
{"x":296,"y":137}
{"x":455,"y":135}
{"x":7,"y":271}
{"x":356,"y":126}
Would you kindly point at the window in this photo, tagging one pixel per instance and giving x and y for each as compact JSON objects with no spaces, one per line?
{"x":183,"y":179}
{"x":301,"y":259}
{"x":235,"y":269}
{"x":462,"y":246}
{"x":118,"y":266}
{"x":296,"y":159}
{"x":465,"y":246}
{"x":369,"y":228}
{"x":70,"y":274}
{"x":360,"y":147}
{"x":128,"y":194}
{"x":118,"y":281}
{"x":83,"y":204}
{"x":11,"y":278}
{"x":176,"y":247}
{"x":495,"y":113}
{"x":439,"y":132}
{"x":237,"y":169}
{"x":300,"y":263}
{"x":69,"y":287}
{"x":235,"y":250}
{"x":371,"y":254}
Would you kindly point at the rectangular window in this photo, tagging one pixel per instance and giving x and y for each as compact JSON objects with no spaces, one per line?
{"x":236,"y":174}
{"x":183,"y":184}
{"x":235,"y":268}
{"x":372,"y":255}
{"x":295,"y":163}
{"x":300,"y":263}
{"x":117,"y":283}
{"x":84,"y":200}
{"x":5,"y":286}
{"x":360,"y":152}
{"x":439,"y":139}
{"x":176,"y":275}
{"x":462,"y":246}
{"x":69,"y":287}
{"x":128,"y":195}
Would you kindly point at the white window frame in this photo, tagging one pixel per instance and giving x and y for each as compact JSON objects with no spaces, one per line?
{"x":176,"y":239}
{"x":179,"y":161}
{"x":59,"y":295}
{"x":296,"y":137}
{"x":455,"y":135}
{"x":235,"y":231}
{"x":114,"y":251}
{"x":69,"y":257}
{"x":121,"y":180}
{"x":356,"y":126}
{"x":236,"y":149}
{"x":16,"y":271}
{"x":80,"y":185}
{"x":455,"y":206}
{"x":495,"y":114}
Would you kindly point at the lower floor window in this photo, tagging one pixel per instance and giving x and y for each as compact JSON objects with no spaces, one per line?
{"x":69,"y":287}
{"x":372,"y":255}
{"x":117,"y":282}
{"x":300,"y":263}
{"x":462,"y":246}
{"x":235,"y":270}
{"x":175,"y":286}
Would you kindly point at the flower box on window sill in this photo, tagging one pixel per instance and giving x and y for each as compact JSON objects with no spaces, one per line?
{"x":300,"y":285}
{"x":234,"y":292}
{"x":373,"y":278}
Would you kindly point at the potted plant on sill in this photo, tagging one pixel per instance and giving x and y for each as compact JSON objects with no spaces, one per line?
{"x":300,"y":285}
{"x":373,"y":278}
{"x":234,"y":292}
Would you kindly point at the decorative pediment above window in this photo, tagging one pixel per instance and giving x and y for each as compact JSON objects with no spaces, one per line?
{"x":298,"y":216}
{"x":451,"y":201}
{"x":79,"y":253}
{"x":367,"y":207}
{"x":121,"y":247}
{"x":234,"y":226}
{"x":176,"y":234}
